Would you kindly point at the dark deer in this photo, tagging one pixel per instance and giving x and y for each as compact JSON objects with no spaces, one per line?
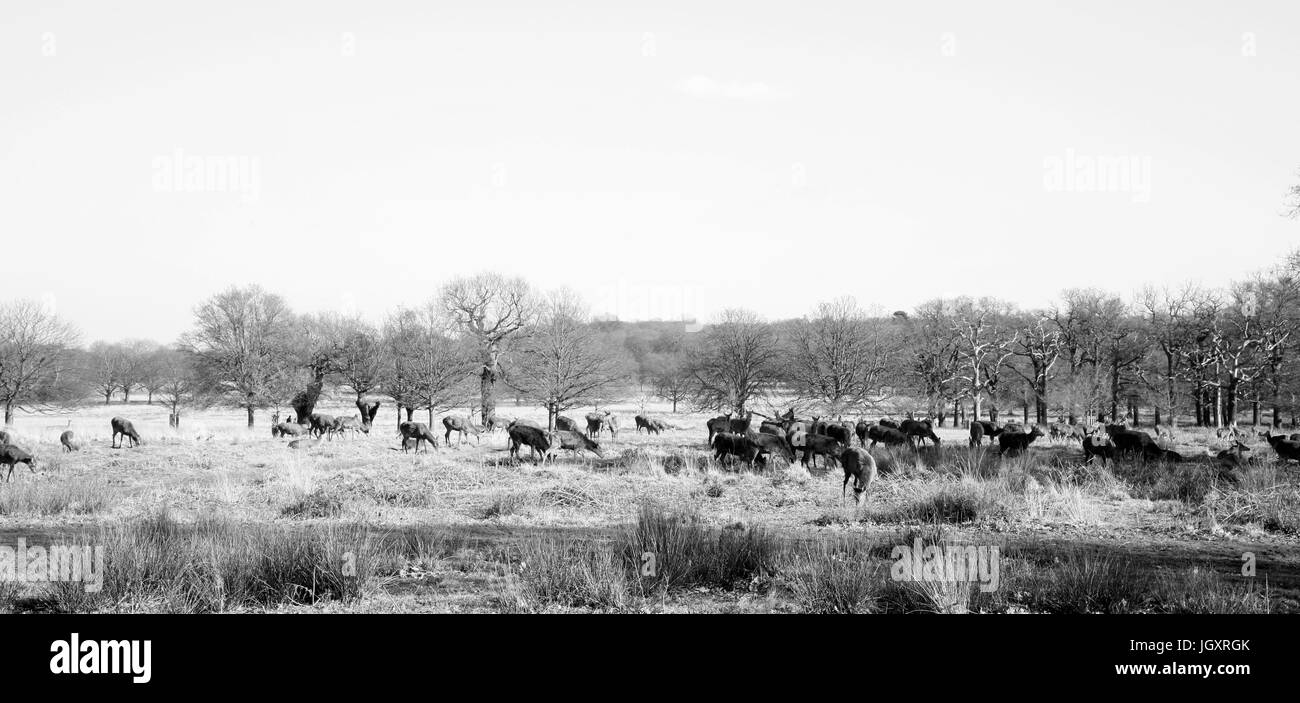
{"x":11,"y":455}
{"x":122,"y":426}
{"x":861,"y":467}
{"x":529,"y":435}
{"x":419,"y":432}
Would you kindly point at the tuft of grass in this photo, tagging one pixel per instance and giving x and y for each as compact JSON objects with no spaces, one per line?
{"x":316,"y":504}
{"x":572,"y":573}
{"x":158,"y":564}
{"x":504,"y":504}
{"x":686,"y":554}
{"x":835,"y":577}
{"x":1084,"y":581}
{"x":961,"y":502}
{"x":57,"y":497}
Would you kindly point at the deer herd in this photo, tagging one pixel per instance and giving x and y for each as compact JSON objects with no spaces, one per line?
{"x":733,"y":436}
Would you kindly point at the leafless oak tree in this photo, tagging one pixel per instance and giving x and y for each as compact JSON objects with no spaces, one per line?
{"x":243,"y":346}
{"x":735,"y":361}
{"x":563,"y":362}
{"x":35,"y":354}
{"x":491,"y":309}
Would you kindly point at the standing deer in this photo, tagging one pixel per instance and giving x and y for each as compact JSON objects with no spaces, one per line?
{"x":461,"y":424}
{"x":122,"y":426}
{"x":11,"y":455}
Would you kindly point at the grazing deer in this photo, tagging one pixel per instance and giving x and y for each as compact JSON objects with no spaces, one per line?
{"x":66,"y":440}
{"x":419,"y":432}
{"x":304,"y":443}
{"x":649,"y":424}
{"x":5,"y":438}
{"x":530,"y":435}
{"x":861,"y":467}
{"x":11,"y":455}
{"x":122,"y":426}
{"x":461,"y":424}
{"x":918,"y":430}
{"x":571,"y":441}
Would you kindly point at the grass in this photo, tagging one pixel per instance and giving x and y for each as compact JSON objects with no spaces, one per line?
{"x":215,"y":565}
{"x":594,"y":510}
{"x":49,"y":498}
{"x":836,"y":576}
{"x":316,"y":504}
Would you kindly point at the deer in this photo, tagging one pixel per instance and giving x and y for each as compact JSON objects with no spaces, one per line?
{"x":66,"y":439}
{"x":122,"y":426}
{"x":861,"y":467}
{"x":461,"y":424}
{"x":11,"y":455}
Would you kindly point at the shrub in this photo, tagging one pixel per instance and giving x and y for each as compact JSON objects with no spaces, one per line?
{"x":316,"y":504}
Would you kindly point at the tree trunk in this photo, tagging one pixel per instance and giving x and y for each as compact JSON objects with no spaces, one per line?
{"x":126,"y":395}
{"x":250,"y":415}
{"x":1254,"y":411}
{"x":108,"y":397}
{"x":1114,"y":391}
{"x":487,"y":388}
{"x":430,"y":417}
{"x":9,"y":413}
{"x":1025,"y":408}
{"x":674,"y":406}
{"x":304,"y":403}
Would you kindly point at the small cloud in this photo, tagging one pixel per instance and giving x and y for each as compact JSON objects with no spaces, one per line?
{"x":708,"y":88}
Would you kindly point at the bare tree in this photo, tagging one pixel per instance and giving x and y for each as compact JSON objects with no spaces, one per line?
{"x":137,"y":354}
{"x":1038,"y":344}
{"x":491,"y":309}
{"x":1168,"y":315}
{"x":360,"y":359}
{"x":103,"y":367}
{"x":564,"y":362}
{"x":841,"y":358}
{"x":424,"y":367}
{"x":735,"y":361}
{"x":243,"y":346}
{"x":35,"y":354}
{"x":670,"y":378}
{"x":982,"y":341}
{"x":176,"y":380}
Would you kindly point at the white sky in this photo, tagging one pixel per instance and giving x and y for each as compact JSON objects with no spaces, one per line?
{"x":664,"y":159}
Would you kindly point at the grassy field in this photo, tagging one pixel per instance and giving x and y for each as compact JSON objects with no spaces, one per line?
{"x":219,"y":518}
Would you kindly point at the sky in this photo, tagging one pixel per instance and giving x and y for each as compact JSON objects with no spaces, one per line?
{"x":665,"y":160}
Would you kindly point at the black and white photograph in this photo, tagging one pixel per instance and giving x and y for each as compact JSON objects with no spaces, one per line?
{"x":385,"y":313}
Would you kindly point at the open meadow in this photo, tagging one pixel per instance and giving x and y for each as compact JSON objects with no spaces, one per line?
{"x":219,"y":518}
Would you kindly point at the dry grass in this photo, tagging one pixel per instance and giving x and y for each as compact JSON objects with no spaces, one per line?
{"x":266,"y":493}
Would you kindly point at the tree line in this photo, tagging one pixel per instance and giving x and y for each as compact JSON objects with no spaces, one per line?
{"x":1187,"y":354}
